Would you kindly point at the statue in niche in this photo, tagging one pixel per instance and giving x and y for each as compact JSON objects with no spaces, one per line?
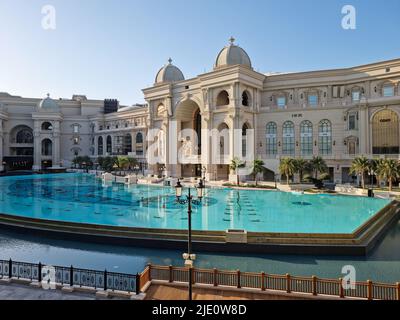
{"x":187,"y":147}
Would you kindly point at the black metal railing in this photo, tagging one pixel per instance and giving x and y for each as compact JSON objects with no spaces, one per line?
{"x":71,"y":276}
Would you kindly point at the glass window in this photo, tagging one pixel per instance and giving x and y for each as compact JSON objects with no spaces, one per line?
{"x":281,"y":102}
{"x":100,"y":146}
{"x":139,"y":144}
{"x":306,"y":131}
{"x":76,"y":128}
{"x":313,"y":100}
{"x":388,"y":90}
{"x":288,"y":147}
{"x":271,"y":138}
{"x":325,"y":137}
{"x":76,"y":140}
{"x":109,"y":145}
{"x":352,"y":122}
{"x":356,"y":96}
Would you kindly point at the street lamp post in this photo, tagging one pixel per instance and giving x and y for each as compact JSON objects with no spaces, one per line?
{"x":136,"y":168}
{"x":189,"y":257}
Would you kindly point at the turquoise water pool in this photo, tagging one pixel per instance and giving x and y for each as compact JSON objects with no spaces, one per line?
{"x":83,"y":198}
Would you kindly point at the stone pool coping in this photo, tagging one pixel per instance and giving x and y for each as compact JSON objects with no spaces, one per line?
{"x":360,"y":242}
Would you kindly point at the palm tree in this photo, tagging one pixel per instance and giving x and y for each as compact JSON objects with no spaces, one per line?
{"x":376,"y":165}
{"x":235,"y":165}
{"x":132,"y":162}
{"x":287,"y":167}
{"x":389,"y":169}
{"x":122,"y":162}
{"x":301,"y":166}
{"x":258,"y":167}
{"x":360,"y":166}
{"x":318,"y":165}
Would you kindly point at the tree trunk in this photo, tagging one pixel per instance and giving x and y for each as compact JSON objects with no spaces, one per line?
{"x":237,"y":179}
{"x":390,"y":184}
{"x":287,"y":179}
{"x":362,"y":181}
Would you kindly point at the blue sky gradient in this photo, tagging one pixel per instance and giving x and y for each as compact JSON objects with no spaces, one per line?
{"x":114,"y":48}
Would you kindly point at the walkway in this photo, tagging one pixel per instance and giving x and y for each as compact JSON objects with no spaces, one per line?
{"x":167,"y":292}
{"x":15,"y":291}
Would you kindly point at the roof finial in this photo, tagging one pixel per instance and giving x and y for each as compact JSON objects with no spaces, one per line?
{"x":48,"y":95}
{"x":170,"y":61}
{"x":232,"y":40}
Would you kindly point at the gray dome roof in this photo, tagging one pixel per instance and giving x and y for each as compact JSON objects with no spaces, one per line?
{"x":48,"y":104}
{"x":232,"y":55}
{"x":169,"y":73}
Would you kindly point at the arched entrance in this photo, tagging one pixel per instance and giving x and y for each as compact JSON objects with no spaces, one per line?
{"x":21,"y":149}
{"x":189,"y":125}
{"x":385,"y":132}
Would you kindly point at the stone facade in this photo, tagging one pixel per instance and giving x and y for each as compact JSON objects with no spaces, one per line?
{"x":336,"y":114}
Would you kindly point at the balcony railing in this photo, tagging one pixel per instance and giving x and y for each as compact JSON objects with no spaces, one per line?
{"x":263,"y":282}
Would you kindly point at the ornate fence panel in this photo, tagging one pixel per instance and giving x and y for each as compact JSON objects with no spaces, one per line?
{"x":26,"y":271}
{"x":4,"y":269}
{"x":88,"y":278}
{"x":63,"y":275}
{"x":121,"y":282}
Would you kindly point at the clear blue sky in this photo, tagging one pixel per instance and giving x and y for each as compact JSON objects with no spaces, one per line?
{"x":114,"y":48}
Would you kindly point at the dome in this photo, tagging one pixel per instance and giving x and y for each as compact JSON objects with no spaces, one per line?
{"x":169,"y":73}
{"x":232,"y":55}
{"x":48,"y":104}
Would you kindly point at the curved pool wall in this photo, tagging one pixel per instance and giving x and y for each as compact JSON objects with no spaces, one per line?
{"x":382,"y":264}
{"x":81,"y":198}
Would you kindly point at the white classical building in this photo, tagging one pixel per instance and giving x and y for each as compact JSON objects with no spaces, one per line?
{"x":336,"y":114}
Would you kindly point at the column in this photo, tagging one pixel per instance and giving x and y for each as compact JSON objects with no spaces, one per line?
{"x":363,"y":129}
{"x":37,"y":150}
{"x":56,"y":145}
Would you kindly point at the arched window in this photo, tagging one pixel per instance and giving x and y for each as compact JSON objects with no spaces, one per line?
{"x":139,"y":144}
{"x":385,"y":132}
{"x":223,"y":130}
{"x":24,"y":136}
{"x":271,"y":139}
{"x":288,"y":147}
{"x":223,"y":98}
{"x":109,"y":145}
{"x":325,"y":137}
{"x":306,"y":132}
{"x":46,"y":126}
{"x":244,"y":139}
{"x":127,"y":143}
{"x":245,"y":99}
{"x":100,"y":146}
{"x":47,"y":147}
